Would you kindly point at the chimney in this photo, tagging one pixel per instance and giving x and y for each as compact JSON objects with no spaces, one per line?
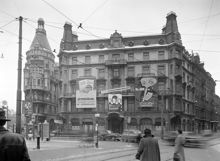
{"x":67,"y":41}
{"x":171,"y":29}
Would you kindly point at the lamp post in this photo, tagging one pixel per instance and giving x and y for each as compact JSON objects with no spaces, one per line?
{"x":97,"y":115}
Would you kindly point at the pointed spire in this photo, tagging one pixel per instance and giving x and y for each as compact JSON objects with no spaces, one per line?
{"x":40,"y":39}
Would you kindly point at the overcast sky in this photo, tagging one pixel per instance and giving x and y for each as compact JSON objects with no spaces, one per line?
{"x":198,"y":22}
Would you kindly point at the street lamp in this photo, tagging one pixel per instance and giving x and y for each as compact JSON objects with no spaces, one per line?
{"x":97,"y":115}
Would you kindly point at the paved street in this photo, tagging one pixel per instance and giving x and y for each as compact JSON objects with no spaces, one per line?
{"x":58,"y":150}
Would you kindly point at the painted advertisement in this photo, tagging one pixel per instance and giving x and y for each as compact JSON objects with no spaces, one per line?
{"x":114,"y":101}
{"x":86,"y":94}
{"x":145,"y":91}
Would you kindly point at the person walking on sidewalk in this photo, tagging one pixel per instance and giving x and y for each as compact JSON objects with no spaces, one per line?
{"x":148,"y":149}
{"x":178,"y":149}
{"x":12,"y":146}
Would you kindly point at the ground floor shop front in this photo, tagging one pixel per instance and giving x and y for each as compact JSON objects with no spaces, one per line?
{"x":118,"y":122}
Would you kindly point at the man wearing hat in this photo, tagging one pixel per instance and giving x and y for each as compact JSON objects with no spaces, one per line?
{"x":12,"y":146}
{"x":148,"y":148}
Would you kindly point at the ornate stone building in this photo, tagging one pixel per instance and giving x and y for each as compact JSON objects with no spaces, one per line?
{"x":40,"y":80}
{"x":156,"y":70}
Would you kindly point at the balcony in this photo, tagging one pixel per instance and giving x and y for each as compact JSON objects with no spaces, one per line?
{"x":34,"y":87}
{"x":114,"y":62}
{"x":178,"y":73}
{"x":67,"y":95}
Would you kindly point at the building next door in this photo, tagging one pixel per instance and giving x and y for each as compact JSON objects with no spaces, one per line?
{"x":115,"y":122}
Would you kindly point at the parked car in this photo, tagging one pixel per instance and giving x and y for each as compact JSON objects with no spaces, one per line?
{"x":191,"y":139}
{"x":131,"y":135}
{"x":109,"y":135}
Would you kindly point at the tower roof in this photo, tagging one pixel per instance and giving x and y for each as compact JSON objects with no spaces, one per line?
{"x":40,"y":38}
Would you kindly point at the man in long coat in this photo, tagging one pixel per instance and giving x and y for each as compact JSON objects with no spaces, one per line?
{"x":12,"y":146}
{"x":148,"y":148}
{"x":179,"y":143}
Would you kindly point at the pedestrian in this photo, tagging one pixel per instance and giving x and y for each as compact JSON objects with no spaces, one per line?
{"x":12,"y":146}
{"x":148,"y":149}
{"x":178,"y":149}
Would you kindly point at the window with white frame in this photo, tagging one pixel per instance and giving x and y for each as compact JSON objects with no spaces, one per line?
{"x":161,"y":55}
{"x":130,"y":56}
{"x":146,"y":69}
{"x":87,"y":72}
{"x":101,"y":73}
{"x":131,"y":72}
{"x":101,"y":59}
{"x":146,"y":55}
{"x":115,"y":72}
{"x":74,"y":73}
{"x":74,"y":60}
{"x":87,"y":59}
{"x":161,"y":70}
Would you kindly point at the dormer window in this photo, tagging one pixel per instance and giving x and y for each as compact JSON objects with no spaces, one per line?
{"x":116,"y":40}
{"x":88,"y":46}
{"x":146,"y":42}
{"x":161,"y":41}
{"x":131,"y":43}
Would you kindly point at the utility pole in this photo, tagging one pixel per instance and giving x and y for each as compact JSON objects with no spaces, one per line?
{"x":19,"y":94}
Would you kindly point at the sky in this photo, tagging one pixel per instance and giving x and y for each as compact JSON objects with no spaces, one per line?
{"x":198,"y":22}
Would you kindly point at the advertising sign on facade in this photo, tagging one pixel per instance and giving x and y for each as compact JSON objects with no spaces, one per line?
{"x":145,"y":91}
{"x":86,"y":95}
{"x":114,"y":101}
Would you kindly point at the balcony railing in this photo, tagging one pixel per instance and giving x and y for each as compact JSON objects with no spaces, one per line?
{"x":116,"y":62}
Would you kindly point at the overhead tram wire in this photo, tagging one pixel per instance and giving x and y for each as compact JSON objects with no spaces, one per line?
{"x":57,"y":27}
{"x":206,"y":23}
{"x":69,"y":18}
{"x":90,"y":15}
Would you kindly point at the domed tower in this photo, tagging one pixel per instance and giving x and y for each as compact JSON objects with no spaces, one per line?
{"x":40,"y":83}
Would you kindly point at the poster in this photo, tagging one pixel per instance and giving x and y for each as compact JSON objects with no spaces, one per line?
{"x":145,"y":91}
{"x":114,"y":101}
{"x":86,"y":95}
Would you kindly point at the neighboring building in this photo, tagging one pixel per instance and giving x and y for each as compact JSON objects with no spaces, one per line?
{"x":204,"y":92}
{"x":216,"y":115}
{"x":40,"y":80}
{"x":151,"y":65}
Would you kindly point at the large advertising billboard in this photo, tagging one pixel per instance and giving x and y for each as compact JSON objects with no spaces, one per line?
{"x":86,"y":94}
{"x":114,"y":101}
{"x":145,"y":91}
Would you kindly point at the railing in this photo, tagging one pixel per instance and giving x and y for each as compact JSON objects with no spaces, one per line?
{"x":116,"y":62}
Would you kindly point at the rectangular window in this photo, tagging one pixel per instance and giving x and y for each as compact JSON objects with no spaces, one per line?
{"x":161,"y":55}
{"x":116,"y":72}
{"x":101,"y":73}
{"x":161,"y":86}
{"x":130,"y":56}
{"x":87,"y":72}
{"x":146,"y":69}
{"x":74,"y":60}
{"x":87,"y":59}
{"x":130,"y":105}
{"x":161,"y":70}
{"x":115,"y":85}
{"x":171,"y":69}
{"x":115,"y":57}
{"x":65,"y":73}
{"x":131,"y":72}
{"x":146,"y":56}
{"x":101,"y":59}
{"x":65,"y":88}
{"x":101,"y":86}
{"x":74,"y":74}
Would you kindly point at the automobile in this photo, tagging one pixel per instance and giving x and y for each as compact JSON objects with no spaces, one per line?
{"x":131,"y":135}
{"x":109,"y":135}
{"x":191,"y":139}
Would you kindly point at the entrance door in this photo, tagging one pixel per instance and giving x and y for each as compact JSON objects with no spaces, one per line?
{"x":115,"y":123}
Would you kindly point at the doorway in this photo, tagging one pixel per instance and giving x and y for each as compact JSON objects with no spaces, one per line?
{"x":115,"y":122}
